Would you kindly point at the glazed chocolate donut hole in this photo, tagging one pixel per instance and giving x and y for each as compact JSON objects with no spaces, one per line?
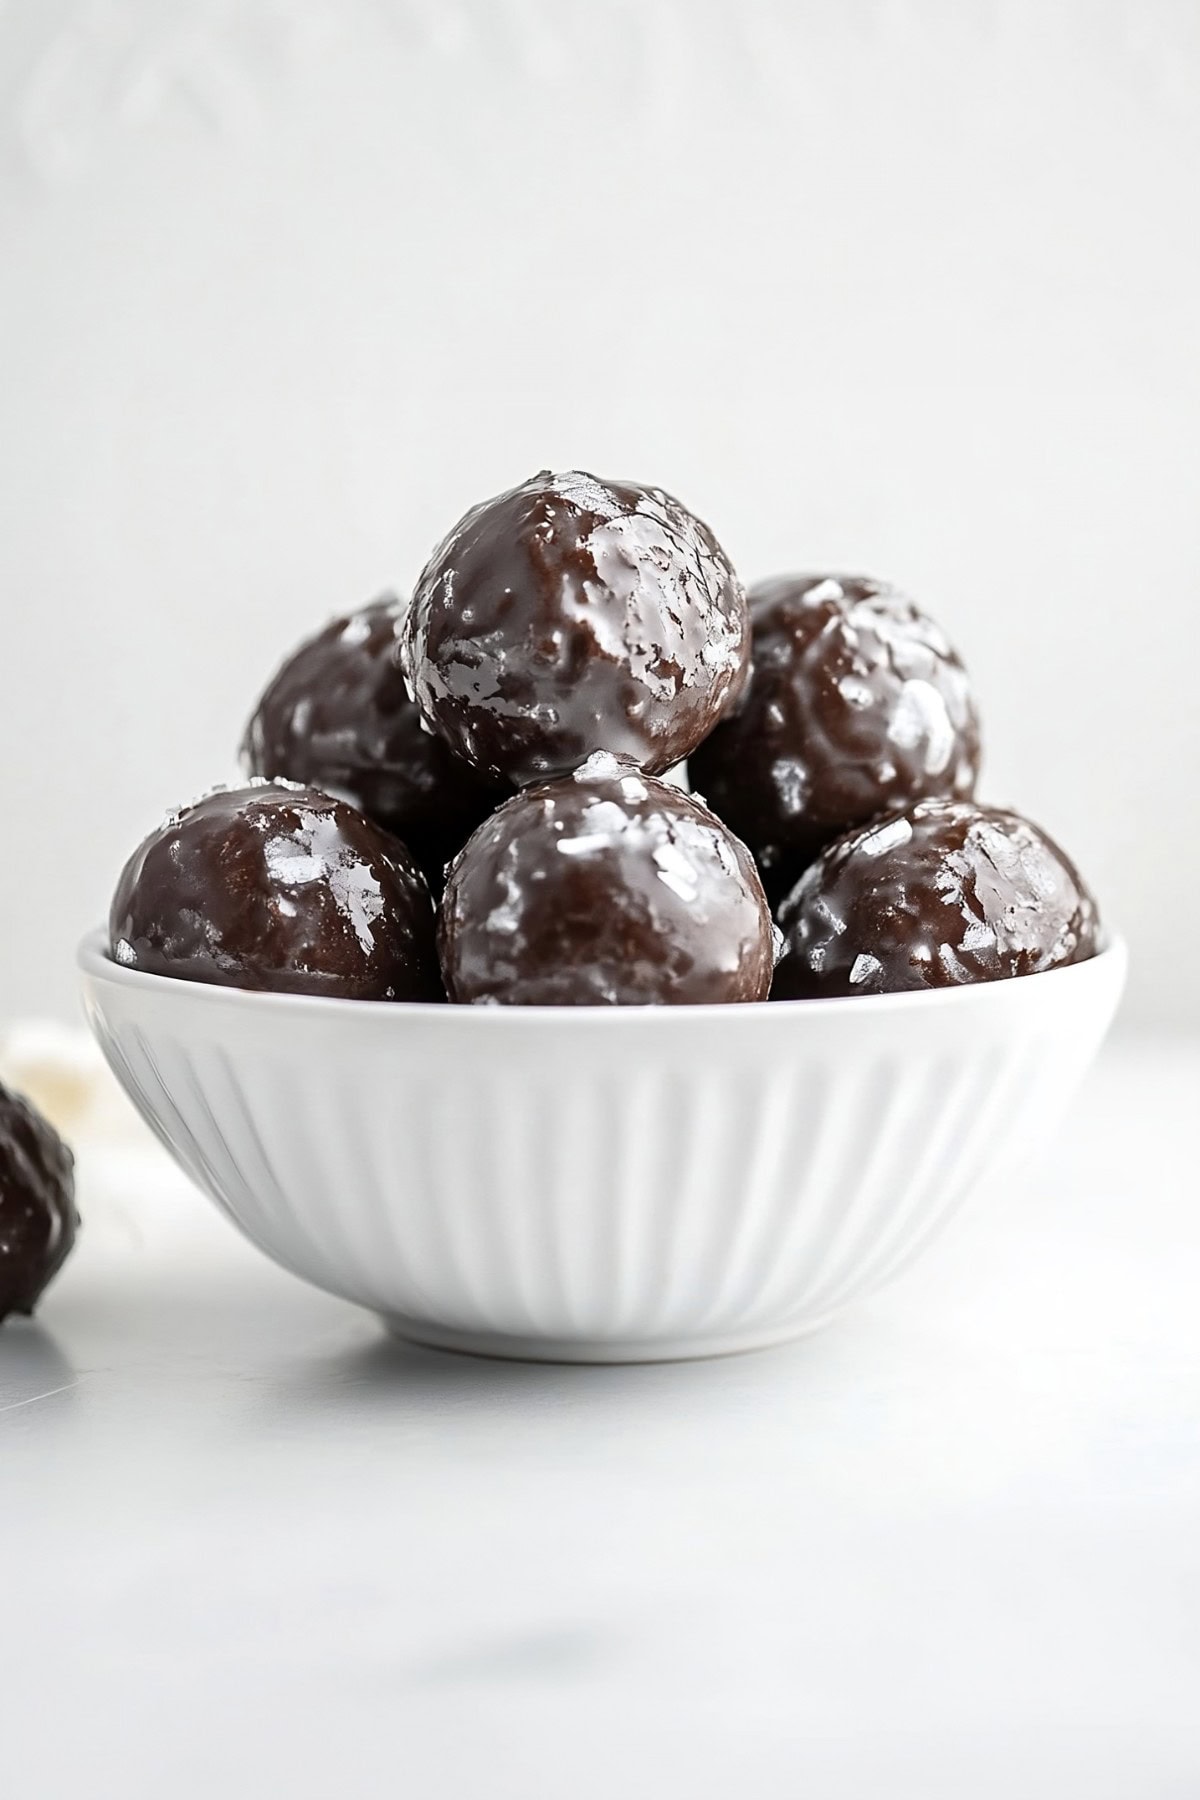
{"x":279,"y":888}
{"x":570,"y":615}
{"x":605,"y":888}
{"x":944,"y":894}
{"x":38,"y":1220}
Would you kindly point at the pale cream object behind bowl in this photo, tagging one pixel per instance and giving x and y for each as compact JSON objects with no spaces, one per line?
{"x":598,"y":1184}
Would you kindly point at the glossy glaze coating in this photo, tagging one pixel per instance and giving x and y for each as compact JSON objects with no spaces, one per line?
{"x":282,"y":888}
{"x":857,"y":704}
{"x":38,"y":1220}
{"x":570,"y":615}
{"x":946,"y":893}
{"x":338,"y":716}
{"x":605,"y":888}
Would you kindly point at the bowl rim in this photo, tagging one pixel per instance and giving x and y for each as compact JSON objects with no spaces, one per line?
{"x":98,"y":965}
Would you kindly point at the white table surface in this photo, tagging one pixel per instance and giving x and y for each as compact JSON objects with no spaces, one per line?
{"x":950,"y":1547}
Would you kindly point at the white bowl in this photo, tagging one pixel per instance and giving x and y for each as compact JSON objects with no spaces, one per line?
{"x":597,"y":1184}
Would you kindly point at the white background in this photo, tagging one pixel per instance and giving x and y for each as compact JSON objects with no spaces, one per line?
{"x":911,"y":286}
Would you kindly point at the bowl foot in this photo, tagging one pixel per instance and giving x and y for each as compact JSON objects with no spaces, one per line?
{"x":514,"y":1348}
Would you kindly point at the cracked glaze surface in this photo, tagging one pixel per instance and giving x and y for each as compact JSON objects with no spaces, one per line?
{"x":944,"y":894}
{"x":338,"y":716}
{"x":282,"y":888}
{"x":857,"y":704}
{"x":38,"y":1220}
{"x":570,"y":615}
{"x":605,"y":888}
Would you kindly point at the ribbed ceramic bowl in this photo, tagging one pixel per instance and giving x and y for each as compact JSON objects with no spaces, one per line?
{"x":597,"y":1184}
